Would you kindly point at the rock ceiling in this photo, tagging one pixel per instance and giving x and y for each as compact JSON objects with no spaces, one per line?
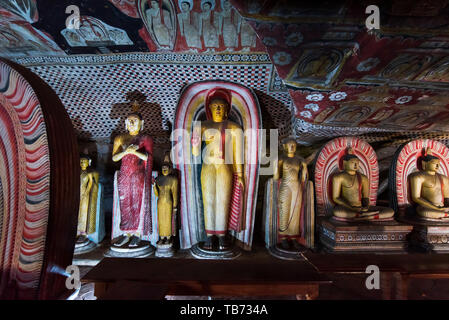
{"x":342,"y":78}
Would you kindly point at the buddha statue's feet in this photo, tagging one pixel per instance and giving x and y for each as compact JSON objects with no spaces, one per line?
{"x":285,"y":244}
{"x":134,"y":241}
{"x":81,"y":239}
{"x":297,"y":245}
{"x":121,"y":241}
{"x":207,"y":245}
{"x":223,"y":244}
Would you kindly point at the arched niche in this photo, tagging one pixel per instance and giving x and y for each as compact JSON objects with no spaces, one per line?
{"x":246,"y":112}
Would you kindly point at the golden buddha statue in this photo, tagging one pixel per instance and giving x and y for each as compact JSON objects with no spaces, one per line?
{"x":222,"y":181}
{"x":292,"y":171}
{"x":166,"y":189}
{"x":430,"y":189}
{"x":89,"y":180}
{"x":134,"y":150}
{"x":350,"y":194}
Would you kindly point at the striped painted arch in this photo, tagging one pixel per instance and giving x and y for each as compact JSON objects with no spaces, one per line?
{"x":39,"y":179}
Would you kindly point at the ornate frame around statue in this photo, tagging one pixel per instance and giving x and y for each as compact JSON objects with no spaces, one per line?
{"x":406,"y":161}
{"x":329,"y":161}
{"x":246,"y":112}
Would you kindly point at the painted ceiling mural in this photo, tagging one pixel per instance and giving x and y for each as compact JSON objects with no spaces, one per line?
{"x":124,"y":46}
{"x":30,"y":27}
{"x":339,"y":74}
{"x":341,"y":78}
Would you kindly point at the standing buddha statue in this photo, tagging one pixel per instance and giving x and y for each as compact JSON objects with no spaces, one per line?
{"x":89,"y":180}
{"x":292,"y":171}
{"x":166,"y":191}
{"x":133,"y":181}
{"x":222,"y":180}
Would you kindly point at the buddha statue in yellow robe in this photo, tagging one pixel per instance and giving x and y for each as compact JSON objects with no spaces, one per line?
{"x":166,"y":191}
{"x":89,"y":180}
{"x":430,"y":190}
{"x":350,"y":194}
{"x":222,"y":180}
{"x":292,"y":173}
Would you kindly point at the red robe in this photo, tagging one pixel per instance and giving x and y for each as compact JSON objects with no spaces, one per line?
{"x":134,"y":180}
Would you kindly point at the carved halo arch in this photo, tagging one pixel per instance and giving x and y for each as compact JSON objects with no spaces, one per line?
{"x":408,"y":160}
{"x":329,"y":161}
{"x":246,"y":112}
{"x":190,"y":2}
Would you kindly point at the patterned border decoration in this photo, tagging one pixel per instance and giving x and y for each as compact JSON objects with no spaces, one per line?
{"x":25,"y":178}
{"x":327,"y":163}
{"x":236,"y":58}
{"x":405,"y":162}
{"x":190,"y":108}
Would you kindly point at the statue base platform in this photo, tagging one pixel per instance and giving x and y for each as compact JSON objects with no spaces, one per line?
{"x":200,"y":253}
{"x":84,"y":247}
{"x":164,"y":250}
{"x":144,"y":249}
{"x":292,"y":254}
{"x":429,"y":235}
{"x":351,"y":237}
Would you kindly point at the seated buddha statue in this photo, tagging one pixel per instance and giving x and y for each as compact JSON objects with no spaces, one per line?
{"x":430,"y":189}
{"x":350,"y":194}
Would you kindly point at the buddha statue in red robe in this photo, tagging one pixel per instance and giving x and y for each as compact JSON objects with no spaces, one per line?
{"x":133,"y":181}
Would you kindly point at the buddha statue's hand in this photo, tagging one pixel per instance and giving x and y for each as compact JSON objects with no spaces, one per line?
{"x":356,"y":208}
{"x":131,"y":149}
{"x":241,"y":181}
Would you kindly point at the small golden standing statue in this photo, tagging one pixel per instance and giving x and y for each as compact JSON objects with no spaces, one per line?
{"x":292,"y":171}
{"x":350,"y":193}
{"x":89,"y":180}
{"x":166,"y":189}
{"x":430,"y":189}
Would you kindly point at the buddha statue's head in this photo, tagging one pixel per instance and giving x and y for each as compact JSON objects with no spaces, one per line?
{"x":218,"y":104}
{"x":185,"y":6}
{"x":430,"y":163}
{"x":226,"y":4}
{"x":154,"y":4}
{"x":289,"y":146}
{"x":350,"y":162}
{"x":85,"y":162}
{"x":218,"y":109}
{"x":166,"y":167}
{"x":134,"y":121}
{"x":206,"y":6}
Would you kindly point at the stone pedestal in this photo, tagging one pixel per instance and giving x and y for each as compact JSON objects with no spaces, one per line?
{"x":430,"y":236}
{"x":164,"y":250}
{"x":292,"y":254}
{"x":144,"y":249}
{"x":201,"y":253}
{"x":385,"y":236}
{"x":84,"y":247}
